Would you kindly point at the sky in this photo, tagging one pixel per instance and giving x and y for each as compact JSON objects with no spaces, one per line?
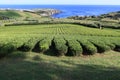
{"x":74,"y":2}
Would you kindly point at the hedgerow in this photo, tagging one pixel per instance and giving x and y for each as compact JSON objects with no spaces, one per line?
{"x":88,"y":47}
{"x":116,"y":42}
{"x":45,"y":44}
{"x":29,"y":45}
{"x":101,"y":46}
{"x":60,"y":46}
{"x":74,"y":48}
{"x":6,"y":49}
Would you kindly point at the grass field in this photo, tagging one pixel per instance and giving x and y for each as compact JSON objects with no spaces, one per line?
{"x":34,"y":66}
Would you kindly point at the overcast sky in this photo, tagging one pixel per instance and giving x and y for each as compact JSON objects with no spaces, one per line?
{"x":83,"y":2}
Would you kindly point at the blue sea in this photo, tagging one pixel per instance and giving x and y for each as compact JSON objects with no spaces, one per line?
{"x":71,"y":10}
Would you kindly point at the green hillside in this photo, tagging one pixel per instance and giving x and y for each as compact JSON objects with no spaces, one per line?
{"x":9,"y":14}
{"x":16,"y":14}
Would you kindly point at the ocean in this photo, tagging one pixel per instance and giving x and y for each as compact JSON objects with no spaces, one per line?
{"x":71,"y":10}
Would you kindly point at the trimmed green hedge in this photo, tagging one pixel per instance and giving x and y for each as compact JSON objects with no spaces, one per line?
{"x":116,"y":42}
{"x":6,"y":49}
{"x":109,"y":43}
{"x":45,"y":44}
{"x":88,"y":47}
{"x":60,"y":46}
{"x":74,"y":48}
{"x":101,"y":46}
{"x":29,"y":45}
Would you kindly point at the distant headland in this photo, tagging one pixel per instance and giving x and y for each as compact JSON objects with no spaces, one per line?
{"x":41,"y":11}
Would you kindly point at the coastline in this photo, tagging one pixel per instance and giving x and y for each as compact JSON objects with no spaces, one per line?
{"x":64,"y":11}
{"x":70,"y":10}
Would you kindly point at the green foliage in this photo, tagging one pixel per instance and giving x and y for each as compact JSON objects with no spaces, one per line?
{"x":29,"y":45}
{"x":22,"y":23}
{"x":116,"y":42}
{"x":74,"y":48}
{"x":60,"y":46}
{"x":6,"y":49}
{"x":109,"y":43}
{"x":89,"y":24}
{"x":88,"y":47}
{"x":69,"y":39}
{"x":45,"y":44}
{"x":101,"y":46}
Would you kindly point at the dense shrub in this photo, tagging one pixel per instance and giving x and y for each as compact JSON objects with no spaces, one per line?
{"x":45,"y":44}
{"x":17,"y":43}
{"x":101,"y":46}
{"x":60,"y":46}
{"x":88,"y":47}
{"x":117,"y":44}
{"x":111,"y":25}
{"x":109,"y":43}
{"x":29,"y":45}
{"x":74,"y":48}
{"x":22,"y":23}
{"x":10,"y":45}
{"x":89,"y":24}
{"x":6,"y":49}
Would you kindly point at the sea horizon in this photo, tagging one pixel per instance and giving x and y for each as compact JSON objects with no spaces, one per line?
{"x":65,"y":4}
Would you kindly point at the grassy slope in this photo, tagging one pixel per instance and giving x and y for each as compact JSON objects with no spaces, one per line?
{"x":33,"y":66}
{"x":16,"y":14}
{"x":9,"y":13}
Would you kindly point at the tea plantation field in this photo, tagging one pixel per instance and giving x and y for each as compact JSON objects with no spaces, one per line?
{"x":58,"y":39}
{"x":30,"y":45}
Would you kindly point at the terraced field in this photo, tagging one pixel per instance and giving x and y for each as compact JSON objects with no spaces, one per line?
{"x":58,"y":39}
